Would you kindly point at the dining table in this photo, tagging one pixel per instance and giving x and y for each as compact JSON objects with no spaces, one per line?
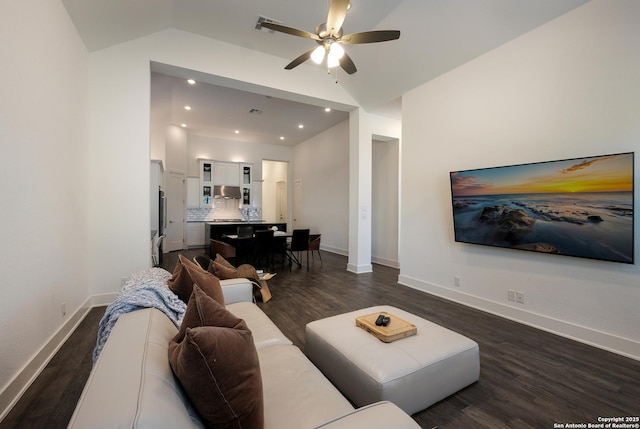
{"x":244,"y":245}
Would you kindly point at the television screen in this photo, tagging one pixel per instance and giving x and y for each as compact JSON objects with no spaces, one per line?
{"x":580,"y":207}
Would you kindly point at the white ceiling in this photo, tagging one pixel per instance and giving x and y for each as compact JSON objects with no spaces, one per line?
{"x":436,"y":37}
{"x":218,"y":111}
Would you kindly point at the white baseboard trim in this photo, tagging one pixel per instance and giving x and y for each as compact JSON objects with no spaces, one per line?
{"x":386,"y":262}
{"x":103,"y":299}
{"x":360,"y":269}
{"x":615,"y":344}
{"x":335,"y":250}
{"x":12,"y":392}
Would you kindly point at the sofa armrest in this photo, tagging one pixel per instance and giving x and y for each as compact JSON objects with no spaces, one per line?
{"x":382,"y":414}
{"x":237,"y":290}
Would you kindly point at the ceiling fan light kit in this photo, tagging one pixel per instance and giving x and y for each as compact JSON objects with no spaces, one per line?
{"x":330,"y":38}
{"x":317,"y":56}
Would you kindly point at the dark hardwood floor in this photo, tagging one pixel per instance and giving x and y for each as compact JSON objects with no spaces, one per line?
{"x":50,"y":400}
{"x":529,"y":378}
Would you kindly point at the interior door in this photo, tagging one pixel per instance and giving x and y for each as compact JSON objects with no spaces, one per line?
{"x":281,"y":201}
{"x":297,"y":203}
{"x":175,"y":212}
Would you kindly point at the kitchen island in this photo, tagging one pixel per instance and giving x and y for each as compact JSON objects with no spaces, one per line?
{"x":215,"y":230}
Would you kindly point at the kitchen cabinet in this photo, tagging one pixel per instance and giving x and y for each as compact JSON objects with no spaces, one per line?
{"x":205,"y":188}
{"x":226,"y":173}
{"x":195,"y":234}
{"x":246,"y":177}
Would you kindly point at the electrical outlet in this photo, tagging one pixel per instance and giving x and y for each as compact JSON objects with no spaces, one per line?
{"x":511,"y":295}
{"x":456,"y":281}
{"x":520,"y":297}
{"x":63,"y":309}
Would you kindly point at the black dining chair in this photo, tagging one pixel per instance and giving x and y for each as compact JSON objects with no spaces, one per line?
{"x":262,"y":251}
{"x":245,"y":231}
{"x":244,"y":243}
{"x":314,"y":245}
{"x":299,"y":243}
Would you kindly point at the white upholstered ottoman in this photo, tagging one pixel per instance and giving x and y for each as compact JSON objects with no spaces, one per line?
{"x":413,"y":372}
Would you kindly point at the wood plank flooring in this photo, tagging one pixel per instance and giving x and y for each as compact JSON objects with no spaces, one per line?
{"x":50,"y":400}
{"x":529,"y":378}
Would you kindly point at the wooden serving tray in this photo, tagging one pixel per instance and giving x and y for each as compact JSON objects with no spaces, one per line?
{"x":396,"y":329}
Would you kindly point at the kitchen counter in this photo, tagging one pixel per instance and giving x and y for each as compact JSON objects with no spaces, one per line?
{"x":234,"y":222}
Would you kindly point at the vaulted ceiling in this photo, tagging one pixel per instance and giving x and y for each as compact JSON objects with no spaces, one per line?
{"x":436,"y":35}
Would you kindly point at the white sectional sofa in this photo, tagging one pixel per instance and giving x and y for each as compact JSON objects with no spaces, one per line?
{"x":132,"y":385}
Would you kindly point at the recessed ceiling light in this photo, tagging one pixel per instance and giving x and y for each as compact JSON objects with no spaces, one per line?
{"x":187,"y":107}
{"x":237,"y":131}
{"x":327,"y":109}
{"x":191,"y":81}
{"x":281,"y":137}
{"x":300,"y":126}
{"x":183,"y":125}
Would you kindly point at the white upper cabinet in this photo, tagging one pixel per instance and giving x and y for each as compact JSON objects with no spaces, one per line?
{"x":226,"y":173}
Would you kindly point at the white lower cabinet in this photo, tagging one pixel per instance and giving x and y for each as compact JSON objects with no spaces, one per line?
{"x":195,"y":234}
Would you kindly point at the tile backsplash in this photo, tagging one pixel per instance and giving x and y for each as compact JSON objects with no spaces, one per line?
{"x":223,"y":209}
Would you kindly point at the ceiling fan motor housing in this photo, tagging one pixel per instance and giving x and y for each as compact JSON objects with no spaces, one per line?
{"x":322,"y":32}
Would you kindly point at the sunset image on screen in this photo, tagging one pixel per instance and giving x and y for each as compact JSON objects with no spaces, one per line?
{"x":613,"y":173}
{"x":578,"y":207}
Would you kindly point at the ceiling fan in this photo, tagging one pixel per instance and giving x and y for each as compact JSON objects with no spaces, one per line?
{"x":330,"y":38}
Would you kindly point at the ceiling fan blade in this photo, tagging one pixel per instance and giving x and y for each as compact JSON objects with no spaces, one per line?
{"x":370,"y":37}
{"x":347,"y":64}
{"x":290,"y":30}
{"x":301,"y":59}
{"x":337,"y":13}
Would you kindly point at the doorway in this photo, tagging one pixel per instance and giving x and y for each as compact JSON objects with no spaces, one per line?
{"x":297,"y":204}
{"x":275,"y":204}
{"x":385,"y":202}
{"x":281,"y":201}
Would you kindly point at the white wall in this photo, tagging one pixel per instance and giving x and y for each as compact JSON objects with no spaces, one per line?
{"x":322,"y":164}
{"x":567,"y":89}
{"x":160,"y":115}
{"x":43,"y":255}
{"x":176,"y":141}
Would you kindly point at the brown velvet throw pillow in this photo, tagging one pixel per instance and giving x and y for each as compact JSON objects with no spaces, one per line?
{"x":224,"y":270}
{"x":186,"y":274}
{"x":214,"y":358}
{"x":220,"y":260}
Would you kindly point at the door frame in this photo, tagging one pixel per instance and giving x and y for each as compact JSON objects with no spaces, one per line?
{"x":178,"y":224}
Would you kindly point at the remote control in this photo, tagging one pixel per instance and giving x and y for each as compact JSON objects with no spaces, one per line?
{"x":380,"y":320}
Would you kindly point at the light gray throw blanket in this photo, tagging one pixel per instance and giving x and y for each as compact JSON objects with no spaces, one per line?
{"x":145,"y":289}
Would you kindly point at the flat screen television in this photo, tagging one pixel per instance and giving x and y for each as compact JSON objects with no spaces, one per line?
{"x":581,"y":207}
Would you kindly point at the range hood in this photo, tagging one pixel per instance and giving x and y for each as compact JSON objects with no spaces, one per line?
{"x":230,"y":192}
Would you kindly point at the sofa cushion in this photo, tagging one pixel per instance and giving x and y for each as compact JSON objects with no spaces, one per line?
{"x":215,"y":359}
{"x":186,"y":274}
{"x":296,"y":393}
{"x":132,"y":380}
{"x":265,"y":333}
